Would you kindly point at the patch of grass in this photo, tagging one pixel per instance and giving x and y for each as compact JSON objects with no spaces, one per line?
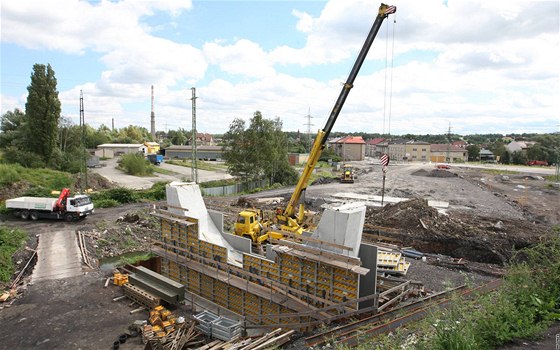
{"x":45,"y":180}
{"x":321,"y":174}
{"x":551,"y":178}
{"x":11,"y":240}
{"x":164,"y":171}
{"x":200,"y":164}
{"x":218,"y":183}
{"x":131,"y":260}
{"x":499,"y":172}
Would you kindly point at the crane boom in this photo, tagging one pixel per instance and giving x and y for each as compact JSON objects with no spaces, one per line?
{"x":322,"y":135}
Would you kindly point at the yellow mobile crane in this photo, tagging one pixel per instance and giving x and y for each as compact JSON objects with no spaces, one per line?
{"x":251,"y":223}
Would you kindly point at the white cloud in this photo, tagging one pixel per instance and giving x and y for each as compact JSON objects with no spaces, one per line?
{"x":305,"y":21}
{"x":243,"y":57}
{"x":480,"y":65}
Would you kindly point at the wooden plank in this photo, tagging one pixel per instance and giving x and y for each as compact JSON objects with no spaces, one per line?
{"x":392,"y":301}
{"x":338,"y":257}
{"x":262,"y":339}
{"x":315,"y":240}
{"x":172,"y":217}
{"x":276,"y":341}
{"x":391,"y":290}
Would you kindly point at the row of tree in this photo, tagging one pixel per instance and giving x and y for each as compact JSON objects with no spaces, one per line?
{"x":41,"y":137}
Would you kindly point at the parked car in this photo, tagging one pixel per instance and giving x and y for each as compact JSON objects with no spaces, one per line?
{"x":537,"y":162}
{"x":443,"y":166}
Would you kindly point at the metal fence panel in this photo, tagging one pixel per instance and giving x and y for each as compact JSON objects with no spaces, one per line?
{"x":235,"y":188}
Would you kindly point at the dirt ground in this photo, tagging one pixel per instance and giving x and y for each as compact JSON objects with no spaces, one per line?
{"x":488,"y":216}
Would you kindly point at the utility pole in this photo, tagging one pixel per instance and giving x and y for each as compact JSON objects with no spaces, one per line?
{"x":309,"y":124}
{"x":194,"y":155}
{"x":83,"y":186}
{"x":449,"y":143}
{"x":153,"y":119}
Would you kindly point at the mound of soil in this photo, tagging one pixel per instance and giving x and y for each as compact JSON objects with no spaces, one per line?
{"x":324,"y":180}
{"x":433,"y":173}
{"x":474,"y":238}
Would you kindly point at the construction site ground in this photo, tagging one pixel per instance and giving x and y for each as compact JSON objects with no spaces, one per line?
{"x":489,"y":216}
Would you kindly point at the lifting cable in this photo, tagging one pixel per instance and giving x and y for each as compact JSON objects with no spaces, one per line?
{"x":390,"y":76}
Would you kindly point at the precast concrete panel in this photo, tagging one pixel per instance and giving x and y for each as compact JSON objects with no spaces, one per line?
{"x":342,"y":225}
{"x":187,"y":195}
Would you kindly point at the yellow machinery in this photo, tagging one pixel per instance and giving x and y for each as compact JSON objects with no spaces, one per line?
{"x":347,"y":174}
{"x":251,"y":223}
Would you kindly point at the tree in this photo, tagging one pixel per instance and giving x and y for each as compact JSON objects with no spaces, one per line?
{"x":474,"y":152}
{"x":518,"y":157}
{"x":506,"y":158}
{"x":259,"y":151}
{"x":11,"y":126}
{"x":42,"y":113}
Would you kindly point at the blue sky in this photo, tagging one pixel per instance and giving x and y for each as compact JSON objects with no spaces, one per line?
{"x":480,"y":67}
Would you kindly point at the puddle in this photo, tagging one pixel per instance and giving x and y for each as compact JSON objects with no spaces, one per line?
{"x":109,"y":264}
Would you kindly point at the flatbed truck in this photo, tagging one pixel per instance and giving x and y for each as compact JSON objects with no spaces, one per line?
{"x":63,"y":207}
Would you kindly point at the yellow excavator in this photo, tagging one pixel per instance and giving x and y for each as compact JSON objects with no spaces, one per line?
{"x":258,"y":226}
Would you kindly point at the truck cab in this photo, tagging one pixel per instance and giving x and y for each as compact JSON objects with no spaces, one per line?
{"x":80,"y":205}
{"x":250,"y":224}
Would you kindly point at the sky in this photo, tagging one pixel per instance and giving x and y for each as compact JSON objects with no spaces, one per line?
{"x":472,"y":67}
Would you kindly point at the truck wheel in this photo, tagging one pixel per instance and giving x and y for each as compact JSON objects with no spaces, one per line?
{"x":24,"y":214}
{"x":69,"y":217}
{"x":34,"y":215}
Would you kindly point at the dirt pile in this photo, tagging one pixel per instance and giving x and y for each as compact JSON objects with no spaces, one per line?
{"x":434,"y":173}
{"x":129,"y":233}
{"x":324,"y":180}
{"x":474,"y":238}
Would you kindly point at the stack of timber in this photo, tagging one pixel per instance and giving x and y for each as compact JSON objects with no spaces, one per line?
{"x":272,"y":340}
{"x":140,"y":296}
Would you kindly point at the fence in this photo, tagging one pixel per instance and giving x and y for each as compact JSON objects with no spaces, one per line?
{"x":236,"y":188}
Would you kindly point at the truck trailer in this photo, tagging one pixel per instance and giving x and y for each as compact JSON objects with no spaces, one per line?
{"x":63,"y":207}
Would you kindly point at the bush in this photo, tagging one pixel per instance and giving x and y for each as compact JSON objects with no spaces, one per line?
{"x":10,"y":241}
{"x":120,"y":194}
{"x":8,"y":175}
{"x":157,"y":192}
{"x":24,"y":158}
{"x":136,"y":164}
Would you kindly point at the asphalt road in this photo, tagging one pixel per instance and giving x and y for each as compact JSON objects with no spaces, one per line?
{"x":180,"y":173}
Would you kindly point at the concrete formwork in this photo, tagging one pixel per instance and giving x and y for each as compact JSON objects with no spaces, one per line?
{"x":292,"y":280}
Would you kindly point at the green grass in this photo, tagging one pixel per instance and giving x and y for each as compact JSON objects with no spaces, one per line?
{"x":163,"y":171}
{"x":199,"y":164}
{"x":323,"y":173}
{"x":46,"y":179}
{"x":11,"y":240}
{"x":133,"y":259}
{"x":522,"y":308}
{"x":551,"y":178}
{"x":499,"y":172}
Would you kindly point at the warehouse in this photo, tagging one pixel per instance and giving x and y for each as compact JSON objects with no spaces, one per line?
{"x":203,"y":152}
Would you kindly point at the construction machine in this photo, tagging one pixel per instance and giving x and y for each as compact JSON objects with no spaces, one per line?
{"x":63,"y":207}
{"x":347,"y":174}
{"x":292,"y":219}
